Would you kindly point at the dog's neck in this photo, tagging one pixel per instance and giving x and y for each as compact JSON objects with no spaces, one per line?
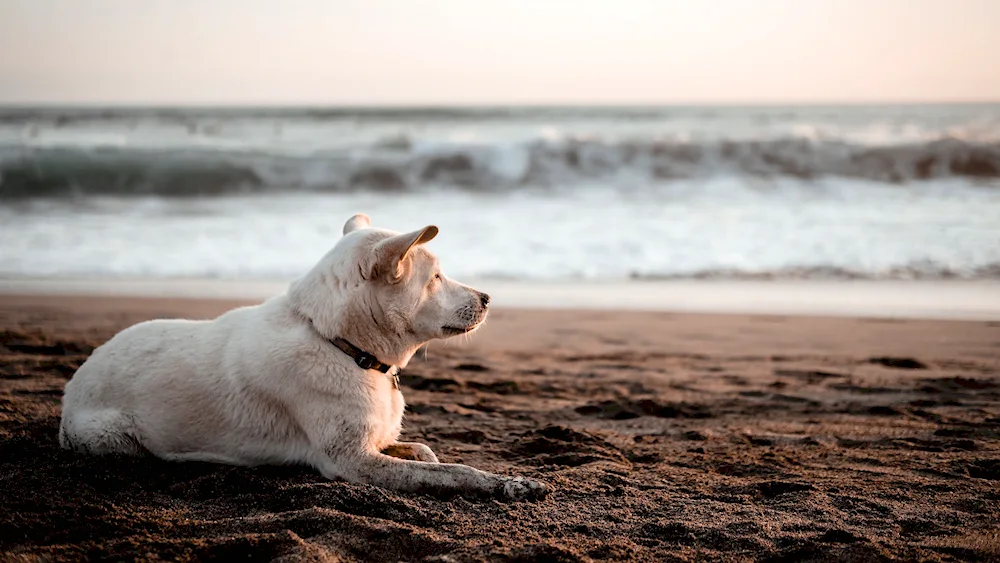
{"x":362,"y":338}
{"x":386,"y":348}
{"x":332,"y":315}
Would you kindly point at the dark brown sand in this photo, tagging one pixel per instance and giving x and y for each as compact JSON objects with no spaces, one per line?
{"x":665,"y":437}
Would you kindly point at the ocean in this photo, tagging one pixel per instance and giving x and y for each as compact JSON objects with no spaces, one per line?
{"x":542,"y":194}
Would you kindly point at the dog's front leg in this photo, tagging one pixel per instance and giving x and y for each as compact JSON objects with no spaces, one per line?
{"x":443,"y":479}
{"x":343,"y":449}
{"x":411,"y":450}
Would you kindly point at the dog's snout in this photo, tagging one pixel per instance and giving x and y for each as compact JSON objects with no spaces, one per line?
{"x":484,"y":299}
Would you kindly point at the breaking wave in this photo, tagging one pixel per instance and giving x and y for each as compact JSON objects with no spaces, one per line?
{"x":399,"y":163}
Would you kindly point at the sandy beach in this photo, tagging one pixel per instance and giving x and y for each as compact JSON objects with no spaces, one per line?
{"x":664,"y":436}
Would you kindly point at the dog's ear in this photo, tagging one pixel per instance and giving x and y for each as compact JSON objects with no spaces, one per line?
{"x":389,"y":253}
{"x":359,"y":221}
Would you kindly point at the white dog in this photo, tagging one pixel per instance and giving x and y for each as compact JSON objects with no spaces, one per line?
{"x":306,"y":377}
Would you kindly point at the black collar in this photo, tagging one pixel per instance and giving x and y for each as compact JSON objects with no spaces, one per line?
{"x":364,"y":359}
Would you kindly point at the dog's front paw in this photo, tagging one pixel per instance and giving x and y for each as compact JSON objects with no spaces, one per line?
{"x":520,"y":488}
{"x":412,"y":451}
{"x":424,"y":453}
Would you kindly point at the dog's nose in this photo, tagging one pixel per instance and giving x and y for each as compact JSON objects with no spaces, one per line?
{"x":485,"y":299}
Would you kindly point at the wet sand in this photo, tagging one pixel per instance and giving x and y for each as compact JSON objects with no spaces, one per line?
{"x":664,"y":437}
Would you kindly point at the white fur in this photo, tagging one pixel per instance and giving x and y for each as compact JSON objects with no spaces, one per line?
{"x":263,"y":384}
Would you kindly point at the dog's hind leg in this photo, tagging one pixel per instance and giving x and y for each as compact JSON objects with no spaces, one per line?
{"x":411,"y":450}
{"x":100,"y":432}
{"x":445,"y":479}
{"x":207,"y":457}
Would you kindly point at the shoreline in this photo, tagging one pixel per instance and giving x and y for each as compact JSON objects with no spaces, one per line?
{"x":918,"y":299}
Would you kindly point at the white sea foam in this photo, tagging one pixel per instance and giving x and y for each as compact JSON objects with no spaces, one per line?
{"x":723,"y":227}
{"x":543,"y":194}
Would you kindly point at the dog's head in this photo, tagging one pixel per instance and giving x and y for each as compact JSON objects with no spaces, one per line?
{"x":387,"y":285}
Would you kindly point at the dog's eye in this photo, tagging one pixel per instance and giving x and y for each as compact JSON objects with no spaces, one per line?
{"x":437,"y":276}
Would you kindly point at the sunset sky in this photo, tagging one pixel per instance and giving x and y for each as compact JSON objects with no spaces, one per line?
{"x":375,"y":52}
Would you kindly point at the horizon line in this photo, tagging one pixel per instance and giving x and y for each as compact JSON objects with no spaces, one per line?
{"x":48,"y":104}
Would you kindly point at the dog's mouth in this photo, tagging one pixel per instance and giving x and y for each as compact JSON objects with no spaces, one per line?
{"x":452,"y":330}
{"x":470,"y":320}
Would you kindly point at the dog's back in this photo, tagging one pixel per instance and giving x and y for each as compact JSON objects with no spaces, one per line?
{"x":154,"y":383}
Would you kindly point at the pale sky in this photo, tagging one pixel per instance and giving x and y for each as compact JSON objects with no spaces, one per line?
{"x":374,"y":52}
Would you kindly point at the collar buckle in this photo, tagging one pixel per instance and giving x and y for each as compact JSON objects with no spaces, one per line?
{"x":365,"y":360}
